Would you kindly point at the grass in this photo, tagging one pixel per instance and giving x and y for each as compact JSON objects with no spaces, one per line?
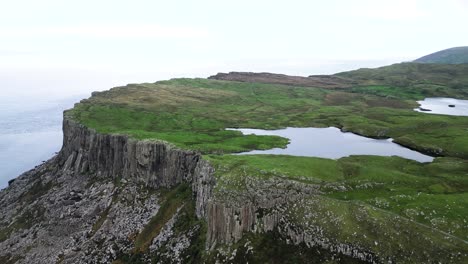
{"x":433,"y":194}
{"x":389,"y":236}
{"x":37,"y":189}
{"x":271,"y":248}
{"x":391,"y":195}
{"x":193,"y":114}
{"x":187,"y":225}
{"x":456,"y":55}
{"x":98,"y":224}
{"x":9,"y":259}
{"x":299,"y":168}
{"x":25,"y":220}
{"x":173,"y":200}
{"x":29,"y":216}
{"x":178,"y":198}
{"x":430,"y":80}
{"x":390,"y":92}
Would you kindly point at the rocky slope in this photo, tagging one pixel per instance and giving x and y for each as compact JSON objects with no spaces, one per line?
{"x":96,"y":201}
{"x":92,"y":202}
{"x":86,"y":204}
{"x":111,"y":198}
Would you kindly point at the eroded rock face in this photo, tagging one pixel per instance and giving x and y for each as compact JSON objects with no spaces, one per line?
{"x":55,"y":216}
{"x":155,"y":164}
{"x":266,"y":207}
{"x":89,"y":203}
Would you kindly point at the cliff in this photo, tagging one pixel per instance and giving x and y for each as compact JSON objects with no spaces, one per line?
{"x":156,"y":164}
{"x":85,"y":203}
{"x":108,"y":197}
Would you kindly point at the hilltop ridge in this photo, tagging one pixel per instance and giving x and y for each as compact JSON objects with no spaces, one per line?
{"x":324,"y":81}
{"x":457,"y":55}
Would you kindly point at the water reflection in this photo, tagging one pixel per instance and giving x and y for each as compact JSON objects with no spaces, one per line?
{"x":444,"y":106}
{"x":332,"y":143}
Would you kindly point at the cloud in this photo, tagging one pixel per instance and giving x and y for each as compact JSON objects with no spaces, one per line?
{"x":107,"y":31}
{"x":391,"y":10}
{"x":462,"y":3}
{"x":12,"y":52}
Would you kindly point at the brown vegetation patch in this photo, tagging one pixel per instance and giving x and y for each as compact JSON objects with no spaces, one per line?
{"x":155,"y":96}
{"x":340,"y":98}
{"x":319,"y":81}
{"x":384,"y":102}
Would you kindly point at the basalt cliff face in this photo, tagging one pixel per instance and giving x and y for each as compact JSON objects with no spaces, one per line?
{"x":155,"y":164}
{"x":109,"y":198}
{"x":89,"y":203}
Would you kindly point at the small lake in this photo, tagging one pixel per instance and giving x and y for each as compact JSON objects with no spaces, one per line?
{"x":331,"y":143}
{"x":444,"y":106}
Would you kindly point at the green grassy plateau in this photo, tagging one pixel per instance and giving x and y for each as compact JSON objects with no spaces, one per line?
{"x":193,"y":114}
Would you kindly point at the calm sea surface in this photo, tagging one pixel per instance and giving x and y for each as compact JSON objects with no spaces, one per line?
{"x":30,"y":132}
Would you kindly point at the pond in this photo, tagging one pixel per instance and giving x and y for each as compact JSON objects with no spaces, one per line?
{"x":444,"y":106}
{"x":332,"y":143}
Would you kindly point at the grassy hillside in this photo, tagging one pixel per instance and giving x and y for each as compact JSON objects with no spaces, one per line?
{"x":193,"y":114}
{"x":413,"y":80}
{"x":399,"y":199}
{"x":458,"y":55}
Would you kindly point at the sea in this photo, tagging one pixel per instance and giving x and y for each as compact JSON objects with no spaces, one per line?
{"x":30,"y":132}
{"x":32,"y":102}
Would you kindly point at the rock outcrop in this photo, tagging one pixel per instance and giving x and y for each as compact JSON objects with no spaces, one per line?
{"x":156,"y":164}
{"x":93,"y":202}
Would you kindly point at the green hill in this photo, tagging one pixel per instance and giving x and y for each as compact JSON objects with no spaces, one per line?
{"x":458,"y":55}
{"x":412,"y":80}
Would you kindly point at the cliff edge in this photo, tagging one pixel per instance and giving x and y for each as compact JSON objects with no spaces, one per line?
{"x":115,"y":194}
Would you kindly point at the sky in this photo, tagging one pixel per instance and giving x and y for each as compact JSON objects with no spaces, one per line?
{"x":58,"y":47}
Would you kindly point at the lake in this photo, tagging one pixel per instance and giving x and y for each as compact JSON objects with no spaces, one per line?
{"x":331,"y":143}
{"x":440,"y":105}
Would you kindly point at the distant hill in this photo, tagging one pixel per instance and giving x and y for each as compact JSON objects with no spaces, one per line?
{"x":458,"y":55}
{"x":428,"y":79}
{"x":416,"y":80}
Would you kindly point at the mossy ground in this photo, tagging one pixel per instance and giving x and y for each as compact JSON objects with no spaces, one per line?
{"x":433,"y":194}
{"x":178,"y":198}
{"x":193,"y":114}
{"x":271,"y":248}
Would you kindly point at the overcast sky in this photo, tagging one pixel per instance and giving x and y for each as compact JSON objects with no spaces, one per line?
{"x":90,"y":45}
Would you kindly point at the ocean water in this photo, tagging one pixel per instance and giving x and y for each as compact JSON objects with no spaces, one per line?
{"x":32,"y":101}
{"x":332,"y":143}
{"x":30,"y":132}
